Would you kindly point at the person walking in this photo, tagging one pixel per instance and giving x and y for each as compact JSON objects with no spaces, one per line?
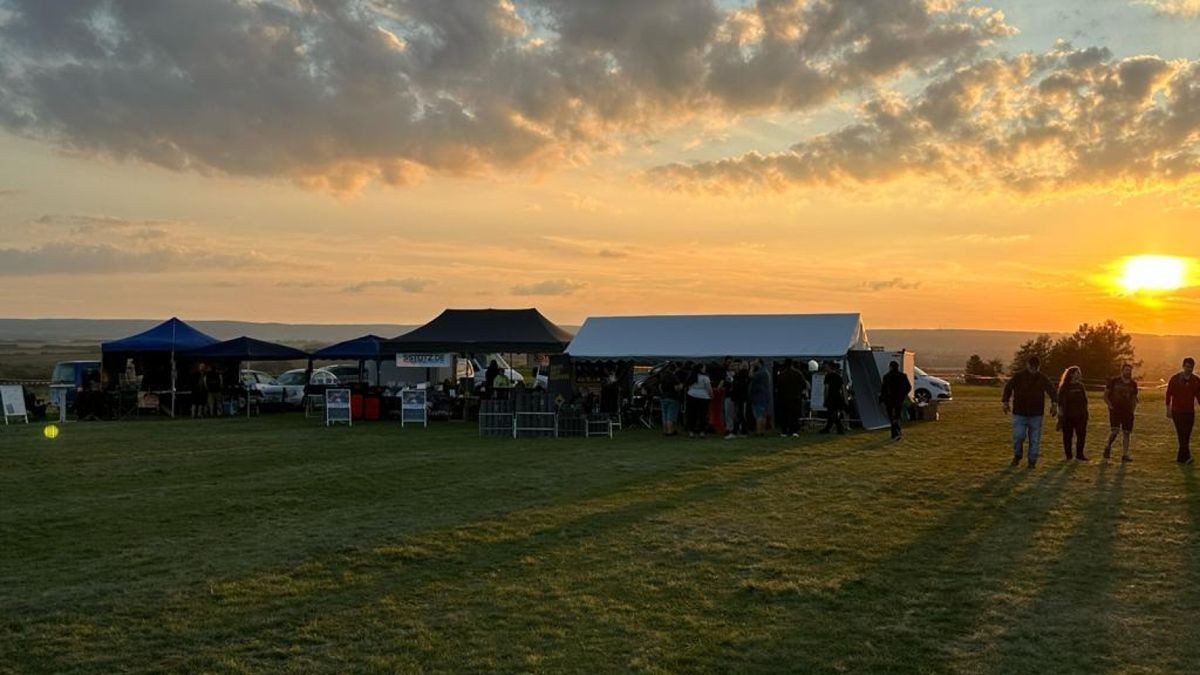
{"x":1027,"y":390}
{"x":699,"y":397}
{"x":1121,"y":397}
{"x":1183,"y":390}
{"x":893,"y":391}
{"x":199,"y":391}
{"x":489,"y":379}
{"x":760,"y":396}
{"x":1073,"y":411}
{"x":835,"y":399}
{"x":670,"y":391}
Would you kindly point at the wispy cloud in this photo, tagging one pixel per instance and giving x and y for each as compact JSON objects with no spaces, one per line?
{"x":1189,"y":9}
{"x":550,"y":287}
{"x":71,"y":259}
{"x":897,"y":284}
{"x":409,"y":285}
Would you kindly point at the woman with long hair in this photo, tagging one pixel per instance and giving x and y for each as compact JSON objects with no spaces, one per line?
{"x":1073,"y":411}
{"x":699,"y":396}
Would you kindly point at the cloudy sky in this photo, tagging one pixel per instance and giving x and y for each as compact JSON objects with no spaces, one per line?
{"x":931,"y":163}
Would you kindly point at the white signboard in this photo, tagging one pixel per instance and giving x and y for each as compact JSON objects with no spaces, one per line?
{"x":817,"y":392}
{"x":12,"y":399}
{"x":412,"y":407}
{"x":337,"y":407}
{"x":424,"y":360}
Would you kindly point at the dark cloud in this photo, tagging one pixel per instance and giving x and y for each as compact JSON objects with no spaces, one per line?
{"x":1066,"y":119}
{"x":550,"y":287}
{"x":89,"y":225}
{"x":336,"y":94}
{"x":410,"y":285}
{"x":10,"y":193}
{"x":63,"y":258}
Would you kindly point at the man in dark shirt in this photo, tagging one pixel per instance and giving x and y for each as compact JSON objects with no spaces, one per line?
{"x":670,"y":392}
{"x":1121,"y":397}
{"x":893,"y":391}
{"x":1027,"y":390}
{"x":1183,"y":390}
{"x":790,"y":385}
{"x":835,"y":399}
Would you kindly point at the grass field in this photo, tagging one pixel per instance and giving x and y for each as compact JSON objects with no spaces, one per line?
{"x":275,"y":544}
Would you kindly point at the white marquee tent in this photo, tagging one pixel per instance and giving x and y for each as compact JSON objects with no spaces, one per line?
{"x":651,"y":339}
{"x":770,"y":336}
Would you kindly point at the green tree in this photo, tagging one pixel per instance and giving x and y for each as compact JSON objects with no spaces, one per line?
{"x":1098,"y":350}
{"x":976,"y":366}
{"x":996,"y":366}
{"x":1041,"y":347}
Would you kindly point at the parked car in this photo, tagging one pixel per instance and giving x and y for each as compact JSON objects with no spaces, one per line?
{"x":346,"y":373}
{"x":266,"y":385}
{"x":292,"y":382}
{"x":68,"y":379}
{"x":928,"y":388}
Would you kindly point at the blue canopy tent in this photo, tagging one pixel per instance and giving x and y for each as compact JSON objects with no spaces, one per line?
{"x":167,"y":339}
{"x":365,"y":348}
{"x":244,"y":349}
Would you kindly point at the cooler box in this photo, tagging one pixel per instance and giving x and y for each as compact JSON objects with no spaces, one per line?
{"x":356,"y":406}
{"x":371,"y":405}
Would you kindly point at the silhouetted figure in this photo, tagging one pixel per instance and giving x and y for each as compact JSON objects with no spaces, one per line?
{"x":791,"y":386}
{"x":1121,"y":397}
{"x":489,"y":379}
{"x":1028,"y":390}
{"x":1183,"y":391}
{"x":835,"y":399}
{"x":699,"y":396}
{"x":1073,"y":411}
{"x":892,"y":393}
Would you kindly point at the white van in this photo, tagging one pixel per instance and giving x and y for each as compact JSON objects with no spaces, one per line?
{"x":928,"y":388}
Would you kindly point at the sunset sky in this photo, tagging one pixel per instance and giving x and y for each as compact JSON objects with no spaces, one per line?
{"x":930,"y":163}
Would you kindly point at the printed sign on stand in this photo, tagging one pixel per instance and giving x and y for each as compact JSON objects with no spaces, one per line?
{"x":12,"y":399}
{"x":412,"y":407}
{"x":337,"y":407}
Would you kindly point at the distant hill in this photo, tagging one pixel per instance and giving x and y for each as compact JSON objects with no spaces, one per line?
{"x":949,"y":349}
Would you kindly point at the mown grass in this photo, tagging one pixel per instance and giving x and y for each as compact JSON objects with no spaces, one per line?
{"x":276,"y":544}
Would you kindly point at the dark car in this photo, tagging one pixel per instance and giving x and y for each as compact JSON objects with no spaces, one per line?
{"x":68,"y":380}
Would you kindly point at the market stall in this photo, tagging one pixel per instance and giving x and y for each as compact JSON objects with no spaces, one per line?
{"x":231,"y":356}
{"x":146,"y":367}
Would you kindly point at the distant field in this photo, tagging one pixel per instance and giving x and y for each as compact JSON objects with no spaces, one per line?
{"x":275,"y":544}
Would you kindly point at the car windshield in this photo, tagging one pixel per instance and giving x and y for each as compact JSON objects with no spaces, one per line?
{"x":293,"y":377}
{"x":64,"y":373}
{"x":918,"y":371}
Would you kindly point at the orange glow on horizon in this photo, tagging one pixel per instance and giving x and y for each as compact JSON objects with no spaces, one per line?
{"x":1153,"y":274}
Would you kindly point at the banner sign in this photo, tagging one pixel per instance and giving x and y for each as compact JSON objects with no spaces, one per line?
{"x":337,"y":407}
{"x":412,"y":407}
{"x":424,"y":360}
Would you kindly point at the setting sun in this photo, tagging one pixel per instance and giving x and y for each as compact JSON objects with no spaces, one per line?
{"x":1153,"y":273}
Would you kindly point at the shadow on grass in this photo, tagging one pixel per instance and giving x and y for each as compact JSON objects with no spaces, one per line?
{"x":1075,"y":603}
{"x":1189,"y":650}
{"x":234,"y":614}
{"x":916,"y":605}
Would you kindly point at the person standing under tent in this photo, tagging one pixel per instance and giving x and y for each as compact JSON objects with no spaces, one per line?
{"x":1183,"y":390}
{"x":214,"y":384}
{"x":835,"y":399}
{"x":1073,"y":411}
{"x":1028,"y":390}
{"x":790,"y":385}
{"x":739,"y":396}
{"x":760,"y":396}
{"x":669,"y":392}
{"x":1121,"y":397}
{"x":199,"y":391}
{"x":699,"y":396}
{"x":893,"y":391}
{"x":489,"y":379}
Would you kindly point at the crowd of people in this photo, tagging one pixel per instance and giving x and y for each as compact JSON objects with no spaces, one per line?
{"x":1026,"y":393}
{"x":745,"y":390}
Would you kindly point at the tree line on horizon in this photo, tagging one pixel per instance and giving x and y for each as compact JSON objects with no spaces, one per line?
{"x":1099,"y":350}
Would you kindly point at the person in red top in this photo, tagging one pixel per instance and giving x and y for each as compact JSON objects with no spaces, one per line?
{"x":1182,"y":393}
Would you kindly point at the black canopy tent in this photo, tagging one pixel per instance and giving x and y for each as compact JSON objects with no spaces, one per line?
{"x":243,"y":349}
{"x":513,"y":331}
